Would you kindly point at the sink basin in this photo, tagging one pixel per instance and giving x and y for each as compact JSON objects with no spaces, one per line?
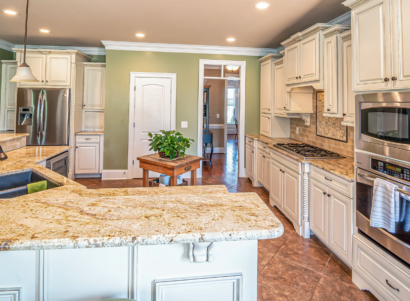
{"x":15,"y":185}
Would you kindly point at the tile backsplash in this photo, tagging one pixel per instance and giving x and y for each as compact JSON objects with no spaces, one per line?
{"x":307,"y":134}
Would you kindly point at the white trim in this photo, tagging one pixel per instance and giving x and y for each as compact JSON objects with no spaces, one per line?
{"x":242,"y":101}
{"x":88,"y":175}
{"x":11,"y":292}
{"x":217,"y":150}
{"x":133,"y":76}
{"x":6,"y":45}
{"x":215,"y":126}
{"x":86,"y":50}
{"x":186,"y":48}
{"x":120,"y":174}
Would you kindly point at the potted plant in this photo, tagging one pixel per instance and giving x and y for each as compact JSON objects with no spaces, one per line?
{"x":169,"y":144}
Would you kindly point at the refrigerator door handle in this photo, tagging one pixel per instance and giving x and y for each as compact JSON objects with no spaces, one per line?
{"x":42,"y":113}
{"x":39,"y":117}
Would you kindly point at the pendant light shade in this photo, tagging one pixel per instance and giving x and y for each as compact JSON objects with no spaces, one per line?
{"x":24,"y":73}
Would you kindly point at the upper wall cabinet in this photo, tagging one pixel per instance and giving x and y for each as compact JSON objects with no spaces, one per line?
{"x":348,"y":94}
{"x":50,"y":67}
{"x":333,"y":70}
{"x":94,"y":86}
{"x":380,"y":44}
{"x":8,"y":95}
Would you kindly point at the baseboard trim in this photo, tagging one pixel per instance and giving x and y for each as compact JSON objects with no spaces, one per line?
{"x":217,"y":150}
{"x":121,"y":174}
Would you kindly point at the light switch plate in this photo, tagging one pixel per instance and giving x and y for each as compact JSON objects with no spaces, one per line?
{"x":184,"y":124}
{"x":217,"y":115}
{"x":297,"y":130}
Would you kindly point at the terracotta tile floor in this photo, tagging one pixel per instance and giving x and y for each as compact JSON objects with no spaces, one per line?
{"x":289,"y":267}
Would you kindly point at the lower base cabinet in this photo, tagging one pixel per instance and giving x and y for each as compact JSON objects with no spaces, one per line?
{"x":88,"y":154}
{"x":249,"y":154}
{"x":263,"y":169}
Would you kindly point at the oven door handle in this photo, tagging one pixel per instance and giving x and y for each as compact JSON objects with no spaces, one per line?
{"x":372,"y":180}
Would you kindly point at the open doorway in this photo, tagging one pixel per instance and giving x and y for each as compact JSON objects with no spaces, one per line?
{"x":221,"y":125}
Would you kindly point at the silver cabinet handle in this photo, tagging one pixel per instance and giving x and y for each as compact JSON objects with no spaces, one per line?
{"x":328,"y":179}
{"x":396,"y":289}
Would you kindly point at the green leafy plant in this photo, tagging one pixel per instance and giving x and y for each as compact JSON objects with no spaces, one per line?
{"x":169,"y":144}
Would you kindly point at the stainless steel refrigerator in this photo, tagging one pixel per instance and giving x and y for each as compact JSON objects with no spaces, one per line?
{"x":44,"y":114}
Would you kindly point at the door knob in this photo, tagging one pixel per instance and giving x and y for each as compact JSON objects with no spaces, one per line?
{"x":386,"y":79}
{"x":394,"y":78}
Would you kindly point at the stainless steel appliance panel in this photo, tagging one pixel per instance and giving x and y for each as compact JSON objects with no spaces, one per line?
{"x":59,"y":164}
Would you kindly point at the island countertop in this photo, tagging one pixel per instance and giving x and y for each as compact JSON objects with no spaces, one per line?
{"x":72,"y":216}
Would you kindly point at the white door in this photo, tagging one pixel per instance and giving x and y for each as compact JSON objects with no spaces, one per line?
{"x":249,"y":160}
{"x":280,"y":94}
{"x":94,"y":88}
{"x":291,"y":194}
{"x":348,"y":94}
{"x":371,"y":46}
{"x":275,"y":191}
{"x":318,"y":209}
{"x":340,"y":228}
{"x":87,"y":158}
{"x":58,"y":71}
{"x":37,"y":63}
{"x":265,"y":125}
{"x":265,"y":97}
{"x":292,"y":64}
{"x":266,"y":171}
{"x":401,"y":44}
{"x":260,"y":167}
{"x":309,"y":59}
{"x":152,"y":114}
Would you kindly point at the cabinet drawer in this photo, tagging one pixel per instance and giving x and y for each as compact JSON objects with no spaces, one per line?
{"x":343,"y":186}
{"x":88,"y":139}
{"x":249,"y":141}
{"x":292,"y":164}
{"x":263,"y":147}
{"x":380,"y":272}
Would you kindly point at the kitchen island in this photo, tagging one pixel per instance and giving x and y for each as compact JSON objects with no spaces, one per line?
{"x":174,"y":243}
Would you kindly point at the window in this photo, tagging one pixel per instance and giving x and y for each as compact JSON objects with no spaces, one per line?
{"x":230,"y":103}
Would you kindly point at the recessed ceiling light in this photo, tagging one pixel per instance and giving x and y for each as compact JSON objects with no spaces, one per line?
{"x":262,"y":5}
{"x":44,"y":30}
{"x":140,"y":35}
{"x":9,"y":12}
{"x":231,"y":39}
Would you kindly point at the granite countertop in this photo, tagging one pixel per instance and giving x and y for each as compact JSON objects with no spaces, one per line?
{"x":5,"y":136}
{"x":91,"y":133}
{"x":343,"y":168}
{"x":72,"y":216}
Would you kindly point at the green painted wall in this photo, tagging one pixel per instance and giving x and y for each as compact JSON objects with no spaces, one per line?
{"x":186,"y":66}
{"x":98,"y":59}
{"x":5,"y":55}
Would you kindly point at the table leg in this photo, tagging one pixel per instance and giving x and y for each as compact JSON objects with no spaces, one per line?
{"x":193,"y":177}
{"x":212,"y":151}
{"x":145,"y":178}
{"x":174,"y":180}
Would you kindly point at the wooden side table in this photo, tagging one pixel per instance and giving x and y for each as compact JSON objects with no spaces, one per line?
{"x":172,"y":168}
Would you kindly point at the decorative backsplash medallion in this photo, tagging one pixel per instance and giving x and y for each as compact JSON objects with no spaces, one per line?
{"x":328,"y":127}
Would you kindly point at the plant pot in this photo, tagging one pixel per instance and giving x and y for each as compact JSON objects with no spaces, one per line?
{"x":162,"y":155}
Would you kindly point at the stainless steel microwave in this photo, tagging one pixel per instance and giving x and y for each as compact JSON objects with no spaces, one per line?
{"x":383,"y":124}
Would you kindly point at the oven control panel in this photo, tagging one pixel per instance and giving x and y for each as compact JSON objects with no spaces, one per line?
{"x":390,"y":169}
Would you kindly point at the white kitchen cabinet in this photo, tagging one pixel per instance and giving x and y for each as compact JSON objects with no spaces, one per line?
{"x":249,"y":161}
{"x":8,"y":95}
{"x":37,"y":63}
{"x":87,"y":158}
{"x":265,"y":94}
{"x":348,"y":94}
{"x":263,"y":168}
{"x":265,"y":127}
{"x":259,"y":162}
{"x":58,"y":70}
{"x":276,"y":184}
{"x":291,"y":194}
{"x":318,"y":209}
{"x":280,"y":94}
{"x":292,"y":64}
{"x":310,"y":58}
{"x":94,"y":86}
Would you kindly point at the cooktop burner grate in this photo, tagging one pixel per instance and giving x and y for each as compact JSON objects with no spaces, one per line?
{"x":307,"y":151}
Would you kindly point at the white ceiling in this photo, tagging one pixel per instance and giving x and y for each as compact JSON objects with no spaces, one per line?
{"x":86,"y":22}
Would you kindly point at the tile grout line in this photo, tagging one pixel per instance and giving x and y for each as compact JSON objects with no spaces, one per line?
{"x":321,"y":276}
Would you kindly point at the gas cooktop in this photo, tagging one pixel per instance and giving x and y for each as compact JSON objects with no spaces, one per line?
{"x":307,"y":151}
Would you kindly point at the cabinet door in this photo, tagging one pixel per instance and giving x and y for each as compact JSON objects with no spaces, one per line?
{"x":58,"y":70}
{"x":280,"y":95}
{"x":10,"y":87}
{"x":309,"y":59}
{"x":249,"y":160}
{"x":266,"y":172}
{"x":275,"y":191}
{"x":348,"y":94}
{"x":340,"y":228}
{"x":371,"y":46}
{"x":331,"y":76}
{"x":37,"y":63}
{"x":291,"y":194}
{"x":87,"y":158}
{"x":94,"y":87}
{"x":401,"y":44}
{"x":265,"y":97}
{"x":292,"y":64}
{"x":10,"y":117}
{"x":265,"y":125}
{"x":260,"y":167}
{"x":318,"y":209}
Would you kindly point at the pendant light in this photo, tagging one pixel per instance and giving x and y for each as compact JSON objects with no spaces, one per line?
{"x":24,"y":73}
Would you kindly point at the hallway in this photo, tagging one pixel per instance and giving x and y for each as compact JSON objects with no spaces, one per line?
{"x":289,"y":267}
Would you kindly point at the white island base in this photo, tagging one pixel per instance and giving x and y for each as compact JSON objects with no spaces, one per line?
{"x":143,"y":273}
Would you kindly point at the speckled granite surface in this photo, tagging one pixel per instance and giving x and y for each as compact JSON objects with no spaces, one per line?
{"x":343,"y":168}
{"x":91,"y":133}
{"x":4,"y":136}
{"x":73,"y":217}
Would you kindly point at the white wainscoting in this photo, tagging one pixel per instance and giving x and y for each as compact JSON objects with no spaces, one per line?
{"x":121,"y":174}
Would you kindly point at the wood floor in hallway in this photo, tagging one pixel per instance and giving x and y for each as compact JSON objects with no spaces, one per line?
{"x":289,"y":267}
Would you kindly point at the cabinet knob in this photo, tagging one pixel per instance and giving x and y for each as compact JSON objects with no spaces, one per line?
{"x":328,"y":179}
{"x":284,"y":107}
{"x":329,"y":195}
{"x":324,"y":192}
{"x":394,"y":78}
{"x":46,"y":81}
{"x":300,"y":77}
{"x":386,"y":79}
{"x":344,"y":114}
{"x":328,"y":110}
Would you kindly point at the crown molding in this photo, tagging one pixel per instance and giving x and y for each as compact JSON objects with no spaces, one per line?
{"x":315,"y":29}
{"x":6,"y":45}
{"x":278,"y":62}
{"x":335,"y":29}
{"x":344,"y":19}
{"x":346,"y":36}
{"x":270,"y":56}
{"x":186,"y":48}
{"x":86,"y":50}
{"x":352,"y":4}
{"x":48,"y":50}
